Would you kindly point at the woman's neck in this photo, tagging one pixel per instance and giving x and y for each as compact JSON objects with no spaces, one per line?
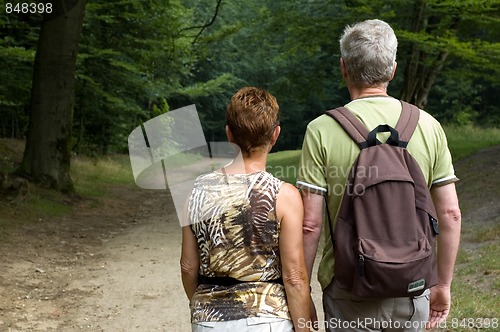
{"x":251,"y":163}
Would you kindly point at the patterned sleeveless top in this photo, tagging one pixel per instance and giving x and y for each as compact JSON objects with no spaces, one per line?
{"x":233,"y":217}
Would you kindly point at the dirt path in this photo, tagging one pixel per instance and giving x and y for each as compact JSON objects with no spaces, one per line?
{"x":138,"y":279}
{"x":111,"y":268}
{"x":108,"y":268}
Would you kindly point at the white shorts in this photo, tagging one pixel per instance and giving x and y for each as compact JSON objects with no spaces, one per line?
{"x":253,"y":324}
{"x":349,"y":313}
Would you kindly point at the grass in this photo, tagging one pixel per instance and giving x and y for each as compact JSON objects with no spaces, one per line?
{"x":476,"y":285}
{"x":488,"y":233}
{"x":40,"y":204}
{"x":91,"y":176}
{"x":284,"y":165}
{"x":466,"y":140}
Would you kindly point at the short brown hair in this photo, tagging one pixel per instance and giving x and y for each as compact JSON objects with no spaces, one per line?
{"x":252,"y":115}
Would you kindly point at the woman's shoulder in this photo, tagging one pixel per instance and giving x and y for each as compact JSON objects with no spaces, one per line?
{"x":289,"y":193}
{"x":289,"y":203}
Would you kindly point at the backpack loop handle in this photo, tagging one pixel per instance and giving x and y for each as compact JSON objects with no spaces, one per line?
{"x":392,"y":140}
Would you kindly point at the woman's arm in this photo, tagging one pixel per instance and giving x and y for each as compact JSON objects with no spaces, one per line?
{"x":290,"y":211}
{"x":190,"y":261}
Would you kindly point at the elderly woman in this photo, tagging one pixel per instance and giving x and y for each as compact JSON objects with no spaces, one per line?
{"x":242,"y":256}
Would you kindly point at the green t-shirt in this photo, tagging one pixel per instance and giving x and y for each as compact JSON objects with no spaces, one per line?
{"x":328,"y":154}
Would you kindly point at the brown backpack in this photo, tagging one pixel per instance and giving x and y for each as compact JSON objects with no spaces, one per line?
{"x":385,"y":236}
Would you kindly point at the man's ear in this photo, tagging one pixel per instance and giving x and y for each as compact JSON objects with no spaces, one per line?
{"x":342,"y":67}
{"x":394,"y":69}
{"x":229,"y":134}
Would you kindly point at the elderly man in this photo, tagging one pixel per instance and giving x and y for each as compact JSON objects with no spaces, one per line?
{"x":368,"y":63}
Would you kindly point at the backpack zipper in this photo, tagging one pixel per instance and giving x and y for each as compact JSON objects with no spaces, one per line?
{"x":361,"y":264}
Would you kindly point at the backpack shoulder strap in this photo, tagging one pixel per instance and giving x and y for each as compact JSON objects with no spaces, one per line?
{"x":351,"y":124}
{"x":405,"y":126}
{"x":407,"y":123}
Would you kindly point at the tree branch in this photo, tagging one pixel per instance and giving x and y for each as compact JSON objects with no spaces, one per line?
{"x":203,"y":27}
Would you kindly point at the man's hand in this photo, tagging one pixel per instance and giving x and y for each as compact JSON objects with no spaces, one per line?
{"x":440,"y":304}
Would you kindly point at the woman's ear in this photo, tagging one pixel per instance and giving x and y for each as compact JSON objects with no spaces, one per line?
{"x":276,"y":134}
{"x":229,"y":134}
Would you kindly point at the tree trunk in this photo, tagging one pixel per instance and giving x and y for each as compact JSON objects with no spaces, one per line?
{"x":423,"y":67}
{"x":46,"y":158}
{"x":420,"y":96}
{"x":413,"y":71}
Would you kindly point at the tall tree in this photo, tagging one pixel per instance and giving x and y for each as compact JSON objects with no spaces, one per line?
{"x":440,"y":32}
{"x":47,"y":155}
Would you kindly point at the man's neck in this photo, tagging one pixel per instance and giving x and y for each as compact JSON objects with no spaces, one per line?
{"x":357,"y":93}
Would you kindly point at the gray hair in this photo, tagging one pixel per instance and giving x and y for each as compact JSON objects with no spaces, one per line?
{"x":369,"y":51}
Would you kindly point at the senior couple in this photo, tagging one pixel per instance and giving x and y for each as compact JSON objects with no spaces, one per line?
{"x":248,"y":252}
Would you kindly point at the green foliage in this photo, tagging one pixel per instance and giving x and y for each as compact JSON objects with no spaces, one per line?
{"x":456,"y":101}
{"x":127,"y":52}
{"x":217,"y":85}
{"x":134,"y":55}
{"x":162,"y":109}
{"x":18,"y":37}
{"x":446,"y":39}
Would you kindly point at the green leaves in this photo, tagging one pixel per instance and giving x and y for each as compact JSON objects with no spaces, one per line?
{"x":214,"y":86}
{"x":134,"y":55}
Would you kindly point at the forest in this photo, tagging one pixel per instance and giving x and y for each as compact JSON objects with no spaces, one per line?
{"x":78,"y":76}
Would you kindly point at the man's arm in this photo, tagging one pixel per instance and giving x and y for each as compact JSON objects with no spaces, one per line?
{"x":313,"y":219}
{"x":448,"y":213}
